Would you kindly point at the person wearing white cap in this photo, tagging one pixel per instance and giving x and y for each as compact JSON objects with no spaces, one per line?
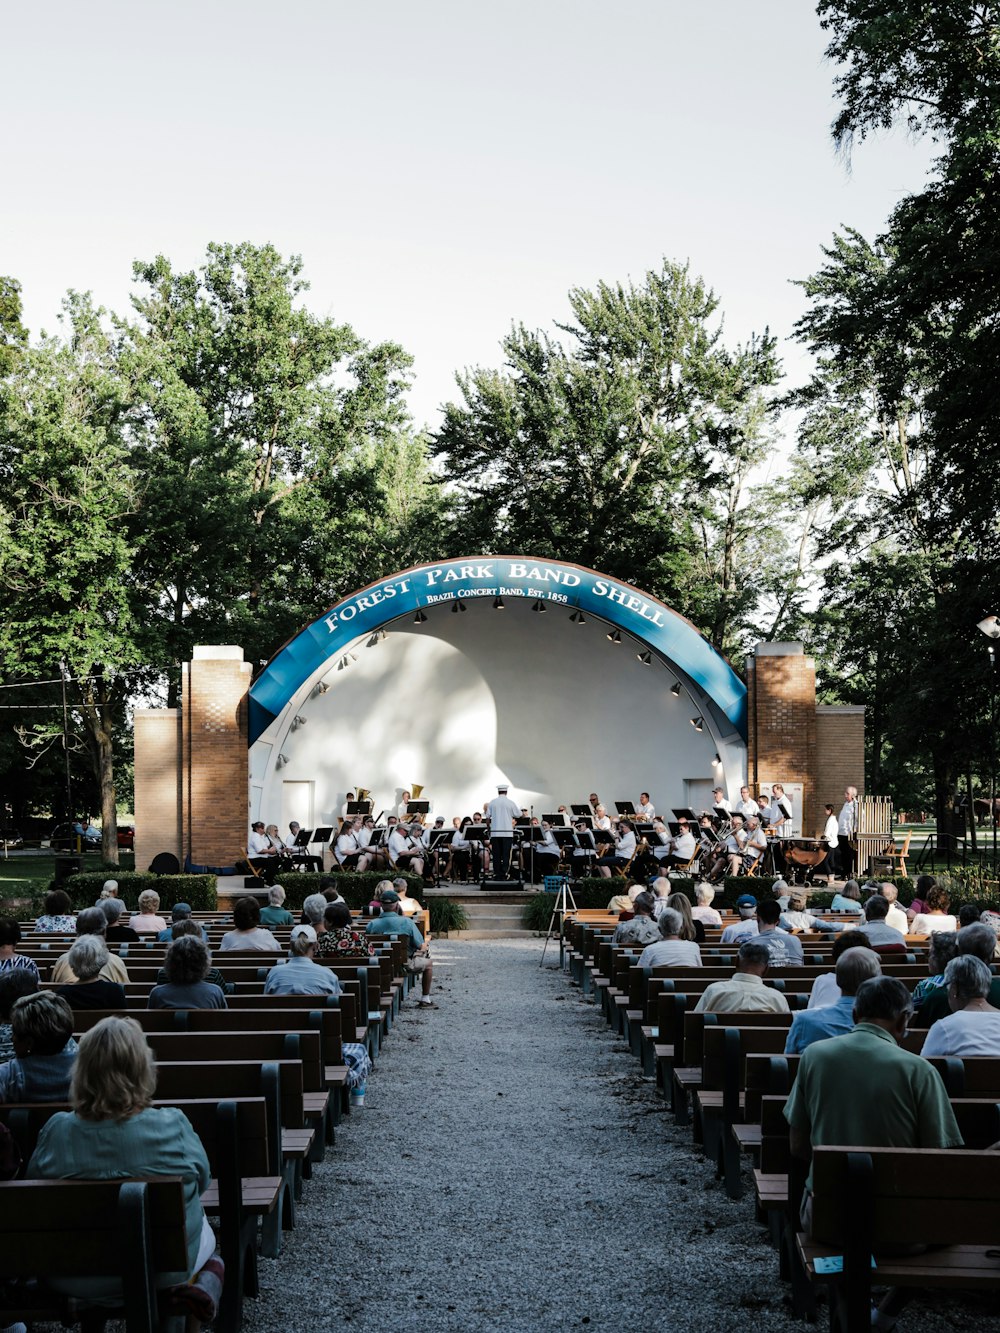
{"x":501,"y":812}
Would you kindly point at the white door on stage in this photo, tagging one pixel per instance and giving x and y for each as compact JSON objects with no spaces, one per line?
{"x":698,"y":794}
{"x":296,"y":803}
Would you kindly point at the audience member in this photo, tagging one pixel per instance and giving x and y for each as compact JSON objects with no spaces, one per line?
{"x":942,"y":949}
{"x":670,"y":949}
{"x":181,"y":912}
{"x":146,"y":921}
{"x":184,"y":929}
{"x":12,"y":986}
{"x":408,"y":905}
{"x":247,"y":932}
{"x":919,"y":903}
{"x":641,"y":928}
{"x":10,"y":959}
{"x":895,"y":917}
{"x":745,"y":991}
{"x":276,"y":913}
{"x":392,"y":922}
{"x":58,"y":918}
{"x":703,"y":910}
{"x":936,"y":916}
{"x":973,"y":1026}
{"x":340,"y":936}
{"x":114,"y":909}
{"x":114,"y":1131}
{"x":746,"y":906}
{"x":832,"y":1020}
{"x":314,"y":907}
{"x":975,"y":941}
{"x":785,"y":949}
{"x":301,"y":975}
{"x":187,"y":965}
{"x":882,"y":937}
{"x":87,"y":959}
{"x":91,"y":921}
{"x":44,"y":1050}
{"x":690,"y":929}
{"x":848,"y":899}
{"x":825,"y":989}
{"x":797,"y":918}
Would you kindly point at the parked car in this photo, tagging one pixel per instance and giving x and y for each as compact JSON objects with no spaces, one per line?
{"x":126,"y":836}
{"x":10,"y":838}
{"x":63,"y":839}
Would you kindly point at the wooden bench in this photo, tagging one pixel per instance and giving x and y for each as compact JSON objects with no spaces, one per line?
{"x":870,"y":1200}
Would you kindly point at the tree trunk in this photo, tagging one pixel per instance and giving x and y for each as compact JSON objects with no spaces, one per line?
{"x":98,"y":722}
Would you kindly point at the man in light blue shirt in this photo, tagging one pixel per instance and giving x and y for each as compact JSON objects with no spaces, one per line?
{"x":834,"y":1020}
{"x":301,"y":975}
{"x":393,"y":922}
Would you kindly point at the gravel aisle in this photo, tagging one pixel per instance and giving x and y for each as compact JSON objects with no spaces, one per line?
{"x":527,"y":1178}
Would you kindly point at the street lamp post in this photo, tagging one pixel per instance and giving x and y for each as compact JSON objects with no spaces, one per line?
{"x":990,"y":626}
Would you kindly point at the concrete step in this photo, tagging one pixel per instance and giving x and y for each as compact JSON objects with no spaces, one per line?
{"x":509,"y":933}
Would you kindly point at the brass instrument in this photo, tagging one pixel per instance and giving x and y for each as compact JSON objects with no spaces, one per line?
{"x":415,"y":790}
{"x":363,"y":794}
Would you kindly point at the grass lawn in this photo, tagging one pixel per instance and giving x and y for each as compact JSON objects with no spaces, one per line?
{"x":20,"y":875}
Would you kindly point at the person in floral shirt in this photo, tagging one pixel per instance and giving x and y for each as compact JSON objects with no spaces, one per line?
{"x":340,"y":936}
{"x":57,"y":918}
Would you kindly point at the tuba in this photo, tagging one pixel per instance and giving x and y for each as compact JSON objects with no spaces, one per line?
{"x":365,"y":795}
{"x":415,"y":790}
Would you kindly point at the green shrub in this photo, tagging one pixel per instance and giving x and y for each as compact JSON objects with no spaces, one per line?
{"x":198,"y":890}
{"x":589,"y":895}
{"x":356,"y":890}
{"x":446,"y":915}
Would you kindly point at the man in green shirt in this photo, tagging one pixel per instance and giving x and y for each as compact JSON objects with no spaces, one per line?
{"x":864,"y":1090}
{"x":392,"y":922}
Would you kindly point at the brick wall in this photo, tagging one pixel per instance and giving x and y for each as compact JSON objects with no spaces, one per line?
{"x":781,"y":717}
{"x":840,"y":753}
{"x":215,"y":756}
{"x":157,"y":784}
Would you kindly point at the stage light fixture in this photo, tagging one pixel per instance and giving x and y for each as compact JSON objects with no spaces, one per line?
{"x":615,"y":637}
{"x":419,"y":618}
{"x":645,"y":658}
{"x":990,"y":627}
{"x":379,"y":634}
{"x":457,"y":606}
{"x":698,"y":723}
{"x":320,"y":687}
{"x":498,"y":604}
{"x":578,"y":618}
{"x":717,"y":760}
{"x":297,"y":721}
{"x":281,"y":761}
{"x":675,"y":689}
{"x":539,"y":605}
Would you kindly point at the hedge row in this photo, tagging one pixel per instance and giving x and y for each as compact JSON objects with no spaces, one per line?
{"x":356,"y":889}
{"x":199,"y":890}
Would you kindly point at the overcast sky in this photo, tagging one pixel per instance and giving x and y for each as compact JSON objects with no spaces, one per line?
{"x":444,"y":168}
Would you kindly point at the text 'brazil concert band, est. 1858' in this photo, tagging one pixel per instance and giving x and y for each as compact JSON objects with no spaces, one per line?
{"x":733,"y":837}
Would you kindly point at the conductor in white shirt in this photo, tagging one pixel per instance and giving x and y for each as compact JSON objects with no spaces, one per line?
{"x":501,"y":812}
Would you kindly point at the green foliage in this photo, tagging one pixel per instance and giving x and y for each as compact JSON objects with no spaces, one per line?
{"x":356,"y":890}
{"x":197,"y":890}
{"x":446,"y":915}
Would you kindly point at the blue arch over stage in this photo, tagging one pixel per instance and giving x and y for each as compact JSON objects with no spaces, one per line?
{"x":573,"y":587}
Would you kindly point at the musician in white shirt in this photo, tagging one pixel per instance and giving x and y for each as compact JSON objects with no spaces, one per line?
{"x":747,"y":805}
{"x":405,"y":849}
{"x":584,"y":850}
{"x":847,"y":831}
{"x":645,"y":809}
{"x":780,"y":810}
{"x":349,"y":801}
{"x":830,"y":842}
{"x":736,"y":842}
{"x":401,"y":809}
{"x":300,"y":855}
{"x":546,"y":854}
{"x":756,"y":843}
{"x":349,"y":851}
{"x":659,"y":842}
{"x":502,"y":812}
{"x":719,"y":801}
{"x":682,"y":845}
{"x":623,"y":853}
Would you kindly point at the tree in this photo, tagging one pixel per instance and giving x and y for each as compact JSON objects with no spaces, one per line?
{"x":627,"y":445}
{"x":65,"y":557}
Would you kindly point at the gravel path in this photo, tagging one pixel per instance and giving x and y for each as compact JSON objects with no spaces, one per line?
{"x":526,"y":1177}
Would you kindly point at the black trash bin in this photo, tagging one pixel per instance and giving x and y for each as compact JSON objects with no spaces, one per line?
{"x":66,"y":866}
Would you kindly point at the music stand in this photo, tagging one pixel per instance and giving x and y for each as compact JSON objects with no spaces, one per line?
{"x":439,"y":838}
{"x":531,"y":834}
{"x":721,"y":812}
{"x":322,"y":834}
{"x":358,"y":808}
{"x":558,"y":820}
{"x":479,"y":833}
{"x":417,"y":808}
{"x":683,"y":812}
{"x":585,"y":841}
{"x":625,"y":807}
{"x":581,"y":809}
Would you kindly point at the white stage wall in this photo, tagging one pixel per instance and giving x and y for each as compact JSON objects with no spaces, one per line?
{"x":471,"y":698}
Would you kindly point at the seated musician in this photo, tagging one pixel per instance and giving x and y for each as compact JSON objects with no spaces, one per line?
{"x":659,"y":842}
{"x":405,"y":849}
{"x":644,"y":809}
{"x":403,"y":808}
{"x":756,"y":843}
{"x":436,"y":854}
{"x":623,"y":853}
{"x":348,"y":852}
{"x":683,"y":846}
{"x":584,"y":853}
{"x":561,"y":810}
{"x":546,"y":853}
{"x":262,"y":854}
{"x":603,"y":833}
{"x":735,"y":845}
{"x":300,"y":856}
{"x":714,"y":857}
{"x":366,"y":838}
{"x":460,"y":867}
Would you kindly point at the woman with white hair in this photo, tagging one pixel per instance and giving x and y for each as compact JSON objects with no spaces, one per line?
{"x":146,"y":921}
{"x":312,"y":911}
{"x":88,"y":956}
{"x":703,"y":910}
{"x":973,"y":1026}
{"x":276,"y":913}
{"x":114,"y":1132}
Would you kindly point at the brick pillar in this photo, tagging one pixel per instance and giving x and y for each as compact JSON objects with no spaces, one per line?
{"x":781,"y":717}
{"x":840,"y":752}
{"x":157,"y":738}
{"x":215,"y":761}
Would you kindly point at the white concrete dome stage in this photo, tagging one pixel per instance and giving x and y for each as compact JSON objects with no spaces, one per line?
{"x":422,"y":678}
